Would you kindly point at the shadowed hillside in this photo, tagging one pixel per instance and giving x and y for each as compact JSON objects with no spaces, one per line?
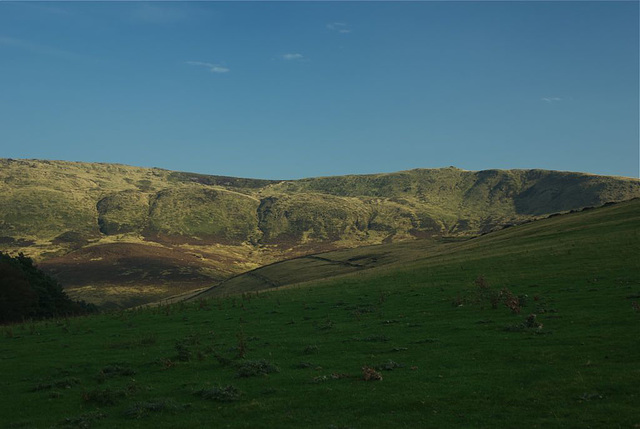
{"x":181,"y":231}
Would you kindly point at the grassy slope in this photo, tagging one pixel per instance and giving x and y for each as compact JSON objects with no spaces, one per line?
{"x":461,"y":367}
{"x":59,"y":212}
{"x":379,"y":259}
{"x":324,"y":266}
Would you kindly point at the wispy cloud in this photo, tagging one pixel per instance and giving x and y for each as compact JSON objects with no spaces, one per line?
{"x":291,"y":57}
{"x":339,"y":27}
{"x":551,"y":99}
{"x":37,"y":48}
{"x":213,"y":68}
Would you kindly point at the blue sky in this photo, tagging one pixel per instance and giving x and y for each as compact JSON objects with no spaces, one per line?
{"x":285,"y":90}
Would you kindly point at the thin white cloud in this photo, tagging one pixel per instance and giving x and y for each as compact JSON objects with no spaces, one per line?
{"x":36,"y":48}
{"x":213,"y":68}
{"x":551,"y":99}
{"x":290,"y":57}
{"x":339,"y":27}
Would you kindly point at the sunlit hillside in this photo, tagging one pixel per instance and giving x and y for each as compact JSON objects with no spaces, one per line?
{"x":120,"y":235}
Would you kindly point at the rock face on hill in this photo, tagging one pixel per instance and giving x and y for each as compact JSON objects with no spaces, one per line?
{"x":191,"y":229}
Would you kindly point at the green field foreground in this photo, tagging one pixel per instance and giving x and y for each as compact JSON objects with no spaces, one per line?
{"x":298,"y":356}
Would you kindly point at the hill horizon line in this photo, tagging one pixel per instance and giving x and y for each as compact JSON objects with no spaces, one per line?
{"x":379,"y":173}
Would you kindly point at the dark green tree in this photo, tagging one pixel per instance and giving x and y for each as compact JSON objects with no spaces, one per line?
{"x":28,"y":293}
{"x":17,"y":299}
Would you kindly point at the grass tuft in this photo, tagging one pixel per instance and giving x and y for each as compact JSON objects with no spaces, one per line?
{"x":252,"y":368}
{"x":106,"y":396}
{"x":144,"y":409}
{"x":221,"y":394}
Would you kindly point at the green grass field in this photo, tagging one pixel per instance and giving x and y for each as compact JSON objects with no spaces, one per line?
{"x":294,"y":356}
